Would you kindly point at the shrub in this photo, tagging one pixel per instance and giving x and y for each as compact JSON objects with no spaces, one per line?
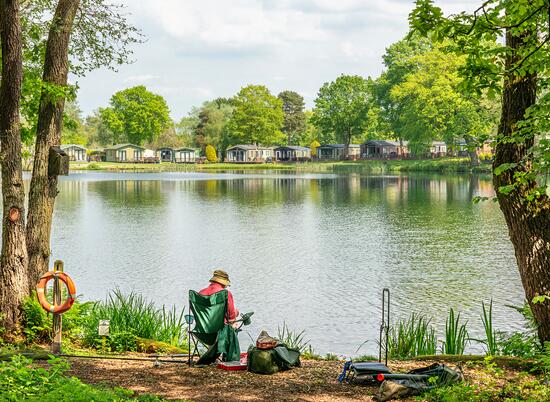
{"x":93,"y":166}
{"x":211,"y":154}
{"x":37,"y":325}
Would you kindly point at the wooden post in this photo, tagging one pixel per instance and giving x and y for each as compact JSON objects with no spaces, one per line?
{"x":57,"y":318}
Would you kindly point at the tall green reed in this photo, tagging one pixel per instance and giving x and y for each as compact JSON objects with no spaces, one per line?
{"x":491,"y":335}
{"x":411,"y":337}
{"x":456,"y":335}
{"x":134,"y":314}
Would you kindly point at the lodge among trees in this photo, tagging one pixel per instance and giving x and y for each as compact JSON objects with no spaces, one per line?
{"x":249,"y":153}
{"x":77,"y":153}
{"x":124,"y":153}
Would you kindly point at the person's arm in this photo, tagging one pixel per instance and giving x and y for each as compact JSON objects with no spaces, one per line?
{"x":231,"y":310}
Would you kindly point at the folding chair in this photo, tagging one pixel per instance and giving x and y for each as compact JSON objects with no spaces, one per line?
{"x":208,"y":313}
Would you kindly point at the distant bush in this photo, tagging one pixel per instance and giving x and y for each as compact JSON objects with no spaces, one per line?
{"x":93,"y":166}
{"x":211,"y":155}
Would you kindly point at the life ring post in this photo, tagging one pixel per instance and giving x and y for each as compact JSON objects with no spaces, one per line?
{"x":57,"y":318}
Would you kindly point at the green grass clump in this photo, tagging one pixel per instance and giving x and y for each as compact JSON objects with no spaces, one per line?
{"x":411,"y":337}
{"x":132,"y":316}
{"x":456,"y":335}
{"x":292,"y":339}
{"x":21,"y":381}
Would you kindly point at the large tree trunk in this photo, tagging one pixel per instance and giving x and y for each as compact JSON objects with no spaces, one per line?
{"x":43,"y":188}
{"x":13,"y":262}
{"x":528,"y":224}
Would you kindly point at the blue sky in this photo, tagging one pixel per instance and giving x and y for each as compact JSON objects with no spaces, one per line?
{"x":199,"y":50}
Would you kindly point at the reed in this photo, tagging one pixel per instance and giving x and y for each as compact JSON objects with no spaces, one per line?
{"x":134,"y":314}
{"x":456,"y":335}
{"x":411,"y":337}
{"x":491,"y":335}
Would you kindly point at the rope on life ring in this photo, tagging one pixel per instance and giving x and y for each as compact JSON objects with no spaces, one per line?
{"x":41,"y":292}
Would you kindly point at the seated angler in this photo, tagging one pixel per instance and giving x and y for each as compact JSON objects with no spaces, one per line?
{"x":218,"y":282}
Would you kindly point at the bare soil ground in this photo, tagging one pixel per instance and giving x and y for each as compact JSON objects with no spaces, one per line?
{"x":314,"y":381}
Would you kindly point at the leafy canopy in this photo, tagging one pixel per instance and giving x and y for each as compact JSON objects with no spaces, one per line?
{"x":136,"y":115}
{"x":478,"y":36}
{"x":257,"y":117}
{"x":341,"y":108}
{"x":295,"y":118}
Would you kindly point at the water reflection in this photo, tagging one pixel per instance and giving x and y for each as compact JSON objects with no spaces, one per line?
{"x":312,"y":250}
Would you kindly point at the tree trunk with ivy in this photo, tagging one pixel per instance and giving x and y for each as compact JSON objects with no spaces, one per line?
{"x":43,"y":190}
{"x":528,"y":221}
{"x":13,"y":262}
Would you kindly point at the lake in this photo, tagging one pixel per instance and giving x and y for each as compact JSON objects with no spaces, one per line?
{"x":311,"y":250}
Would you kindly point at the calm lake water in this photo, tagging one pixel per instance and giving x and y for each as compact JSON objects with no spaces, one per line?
{"x":313,"y":251}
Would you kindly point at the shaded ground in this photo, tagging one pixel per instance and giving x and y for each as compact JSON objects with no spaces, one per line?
{"x":314,"y":381}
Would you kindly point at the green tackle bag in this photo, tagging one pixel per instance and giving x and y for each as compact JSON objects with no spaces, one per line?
{"x":271,"y":361}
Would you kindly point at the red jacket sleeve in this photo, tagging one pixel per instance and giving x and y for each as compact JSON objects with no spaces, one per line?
{"x":231,"y":310}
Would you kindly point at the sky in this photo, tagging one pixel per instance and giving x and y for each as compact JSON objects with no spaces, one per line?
{"x":197,"y":50}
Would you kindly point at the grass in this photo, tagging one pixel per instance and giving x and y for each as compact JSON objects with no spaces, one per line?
{"x":411,"y":337}
{"x":456,"y":335}
{"x":491,"y":335}
{"x":441,"y":165}
{"x":293,"y":339}
{"x":132,"y":316}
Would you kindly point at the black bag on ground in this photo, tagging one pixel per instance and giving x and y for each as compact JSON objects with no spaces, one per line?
{"x":271,"y":361}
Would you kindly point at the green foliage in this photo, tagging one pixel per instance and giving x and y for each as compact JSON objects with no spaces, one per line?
{"x":37,"y":325}
{"x":518,"y":344}
{"x":208,"y":124}
{"x":295,"y":119}
{"x":257,"y":117}
{"x":491,"y":335}
{"x":293,"y":339}
{"x":133,"y":316}
{"x":136,"y":115}
{"x":211,"y":154}
{"x":21,"y":381}
{"x":544,"y":358}
{"x":102,"y":38}
{"x":411,"y":337}
{"x":341,"y":109}
{"x":491,"y":62}
{"x":456,"y":335}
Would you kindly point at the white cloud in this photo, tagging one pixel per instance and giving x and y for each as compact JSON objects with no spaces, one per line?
{"x":236,"y":23}
{"x":141,"y":78}
{"x":201,"y":49}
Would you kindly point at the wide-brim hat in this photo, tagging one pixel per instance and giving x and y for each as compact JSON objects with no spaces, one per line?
{"x":220,"y":277}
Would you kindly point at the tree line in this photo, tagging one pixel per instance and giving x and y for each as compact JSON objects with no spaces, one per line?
{"x":418,"y":98}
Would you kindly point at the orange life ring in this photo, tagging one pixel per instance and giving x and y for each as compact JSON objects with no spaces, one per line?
{"x":41,"y":292}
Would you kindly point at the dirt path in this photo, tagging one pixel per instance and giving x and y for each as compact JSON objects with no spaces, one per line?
{"x":314,"y":381}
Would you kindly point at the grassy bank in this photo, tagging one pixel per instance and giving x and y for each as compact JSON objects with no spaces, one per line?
{"x":442,"y":165}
